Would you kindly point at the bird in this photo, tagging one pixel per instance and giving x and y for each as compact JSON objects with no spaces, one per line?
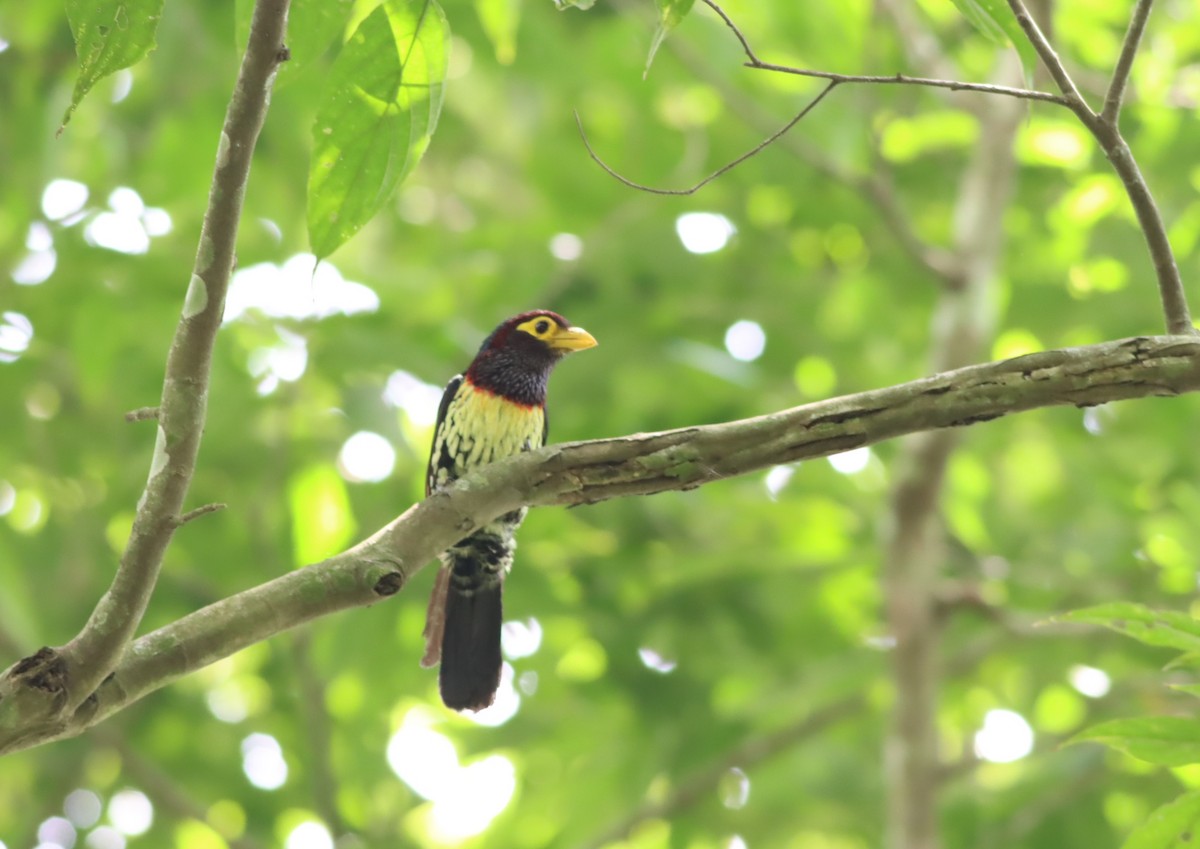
{"x":494,"y":409}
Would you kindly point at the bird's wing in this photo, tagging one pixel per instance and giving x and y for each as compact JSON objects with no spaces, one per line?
{"x":435,"y":456}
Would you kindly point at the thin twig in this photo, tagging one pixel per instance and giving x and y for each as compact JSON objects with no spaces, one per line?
{"x":729,"y":166}
{"x":874,"y":182}
{"x":1170,"y":284}
{"x":142,"y":414}
{"x":734,"y":29}
{"x":1049,"y":58}
{"x":1120,"y":78}
{"x":1104,"y":130}
{"x":903,"y":79}
{"x":896,"y":79}
{"x":917,"y":40}
{"x":192,"y":515}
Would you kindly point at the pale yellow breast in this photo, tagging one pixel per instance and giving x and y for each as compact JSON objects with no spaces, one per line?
{"x":482,"y":428}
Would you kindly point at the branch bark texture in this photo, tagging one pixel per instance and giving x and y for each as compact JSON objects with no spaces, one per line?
{"x":588,"y":472}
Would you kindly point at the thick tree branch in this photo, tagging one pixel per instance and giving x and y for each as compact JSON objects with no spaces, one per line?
{"x":94,"y":652}
{"x":1120,"y":78}
{"x":55,"y":684}
{"x":587,"y":472}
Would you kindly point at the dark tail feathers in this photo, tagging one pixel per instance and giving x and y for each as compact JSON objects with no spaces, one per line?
{"x":470,"y":673}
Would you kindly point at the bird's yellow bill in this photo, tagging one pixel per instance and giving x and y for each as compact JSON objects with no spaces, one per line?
{"x":572,"y":339}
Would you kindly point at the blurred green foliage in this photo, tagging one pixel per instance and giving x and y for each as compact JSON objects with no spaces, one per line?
{"x":680,"y":635}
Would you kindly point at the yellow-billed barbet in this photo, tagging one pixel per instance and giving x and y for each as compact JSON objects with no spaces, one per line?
{"x":495,"y":409}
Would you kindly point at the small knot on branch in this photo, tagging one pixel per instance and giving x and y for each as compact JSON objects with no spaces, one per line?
{"x":198,"y":512}
{"x":389,"y":584}
{"x":142,"y":414}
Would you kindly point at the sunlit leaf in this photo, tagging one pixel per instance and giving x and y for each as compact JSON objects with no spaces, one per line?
{"x":1173,"y":826}
{"x":109,"y":35}
{"x":670,"y":13}
{"x":1152,"y":627}
{"x":376,"y":119}
{"x":1163,"y":740}
{"x":574,"y":4}
{"x":996,"y":21}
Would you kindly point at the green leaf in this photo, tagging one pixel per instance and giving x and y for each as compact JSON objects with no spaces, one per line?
{"x":1190,"y":689}
{"x":499,"y":19}
{"x":998,"y":24}
{"x":1173,"y":826}
{"x":670,"y":13}
{"x":1152,"y":627}
{"x":1163,"y":740}
{"x":377,"y":117}
{"x":109,"y":35}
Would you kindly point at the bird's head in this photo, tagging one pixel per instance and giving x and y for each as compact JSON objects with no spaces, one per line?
{"x":540,"y":334}
{"x":516,"y":359}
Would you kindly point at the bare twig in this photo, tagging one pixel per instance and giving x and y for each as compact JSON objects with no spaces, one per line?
{"x":834,"y":80}
{"x":204,"y":510}
{"x":142,"y":414}
{"x":752,"y":61}
{"x":903,"y":79}
{"x":587,"y":472}
{"x":918,"y":41}
{"x":874,"y":183}
{"x":1170,"y":284}
{"x":54,"y":684}
{"x":1049,"y":58}
{"x":734,"y":29}
{"x":729,"y":166}
{"x":1120,"y":78}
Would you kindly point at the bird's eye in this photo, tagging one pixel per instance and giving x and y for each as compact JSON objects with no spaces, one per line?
{"x":541,"y":327}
